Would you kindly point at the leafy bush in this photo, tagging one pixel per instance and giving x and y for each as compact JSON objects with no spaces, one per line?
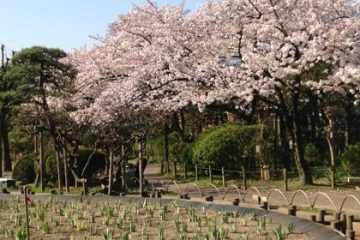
{"x":24,"y":169}
{"x":225,"y":145}
{"x":180,"y":152}
{"x":97,"y":163}
{"x":156,"y":147}
{"x":50,"y":165}
{"x":186,"y":153}
{"x":319,"y":172}
{"x":20,"y":141}
{"x":350,"y":159}
{"x":311,"y":154}
{"x":340,"y":175}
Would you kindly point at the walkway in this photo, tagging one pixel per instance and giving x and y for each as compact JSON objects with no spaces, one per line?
{"x":328,"y":200}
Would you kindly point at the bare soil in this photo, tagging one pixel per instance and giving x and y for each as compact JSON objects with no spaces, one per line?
{"x":53,"y":219}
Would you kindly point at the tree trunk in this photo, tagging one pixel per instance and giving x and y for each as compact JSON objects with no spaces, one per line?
{"x":66,"y":178}
{"x":284,"y":144}
{"x":291,"y":113}
{"x":106,"y":169}
{"x":275,"y":142}
{"x":123,"y":161}
{"x":301,"y":165}
{"x":111,"y":164}
{"x":36,"y":183}
{"x":5,"y":149}
{"x":36,"y":148}
{"x":161,"y":165}
{"x":182,"y":125}
{"x":347,"y":134}
{"x":118,"y":167}
{"x":41,"y":161}
{"x":330,"y":142}
{"x":348,"y":124}
{"x":185,"y":170}
{"x":141,"y":175}
{"x":58,"y":168}
{"x":175,"y":170}
{"x":332,"y":160}
{"x":166,"y":147}
{"x":2,"y":167}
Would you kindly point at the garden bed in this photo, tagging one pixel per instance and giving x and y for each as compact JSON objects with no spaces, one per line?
{"x":66,"y":217}
{"x":136,"y":219}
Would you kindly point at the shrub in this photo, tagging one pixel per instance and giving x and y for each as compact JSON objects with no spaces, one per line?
{"x":20,"y":141}
{"x":156,"y":147}
{"x":350,"y":159}
{"x":50,"y":165}
{"x":340,"y":175}
{"x":179,"y":152}
{"x":186,"y":153}
{"x":225,"y":145}
{"x":311,"y":154}
{"x":97,"y":163}
{"x":24,"y":169}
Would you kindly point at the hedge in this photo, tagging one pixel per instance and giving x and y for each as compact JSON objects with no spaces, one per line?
{"x":350,"y":159}
{"x":24,"y":169}
{"x":97,"y":163}
{"x":225,"y":145}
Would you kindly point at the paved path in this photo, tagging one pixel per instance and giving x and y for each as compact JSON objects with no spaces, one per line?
{"x":328,"y":200}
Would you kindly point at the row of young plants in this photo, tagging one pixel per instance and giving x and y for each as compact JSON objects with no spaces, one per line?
{"x":53,"y":219}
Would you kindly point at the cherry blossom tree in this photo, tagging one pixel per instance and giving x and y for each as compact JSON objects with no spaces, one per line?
{"x":230,"y":51}
{"x":127,"y":71}
{"x":281,"y":44}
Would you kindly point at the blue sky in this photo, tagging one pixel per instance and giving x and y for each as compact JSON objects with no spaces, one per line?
{"x":65,"y":24}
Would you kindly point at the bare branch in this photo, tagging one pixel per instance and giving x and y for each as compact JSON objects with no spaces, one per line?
{"x":240,"y":42}
{"x":140,"y":35}
{"x":281,"y":26}
{"x":256,"y":9}
{"x":88,"y":160}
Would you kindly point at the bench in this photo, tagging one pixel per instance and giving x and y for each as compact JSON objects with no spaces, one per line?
{"x":7,"y":182}
{"x":354,"y":181}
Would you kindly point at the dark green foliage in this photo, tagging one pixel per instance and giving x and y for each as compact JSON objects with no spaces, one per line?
{"x":24,"y":169}
{"x":97,"y":163}
{"x":311,"y":154}
{"x":225,"y":145}
{"x":155,"y":149}
{"x":350,"y":159}
{"x":186,"y":153}
{"x":156,"y":146}
{"x":340,"y":175}
{"x":33,"y":67}
{"x":20,"y":141}
{"x":50,"y":165}
{"x":36,"y":74}
{"x":178,"y":150}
